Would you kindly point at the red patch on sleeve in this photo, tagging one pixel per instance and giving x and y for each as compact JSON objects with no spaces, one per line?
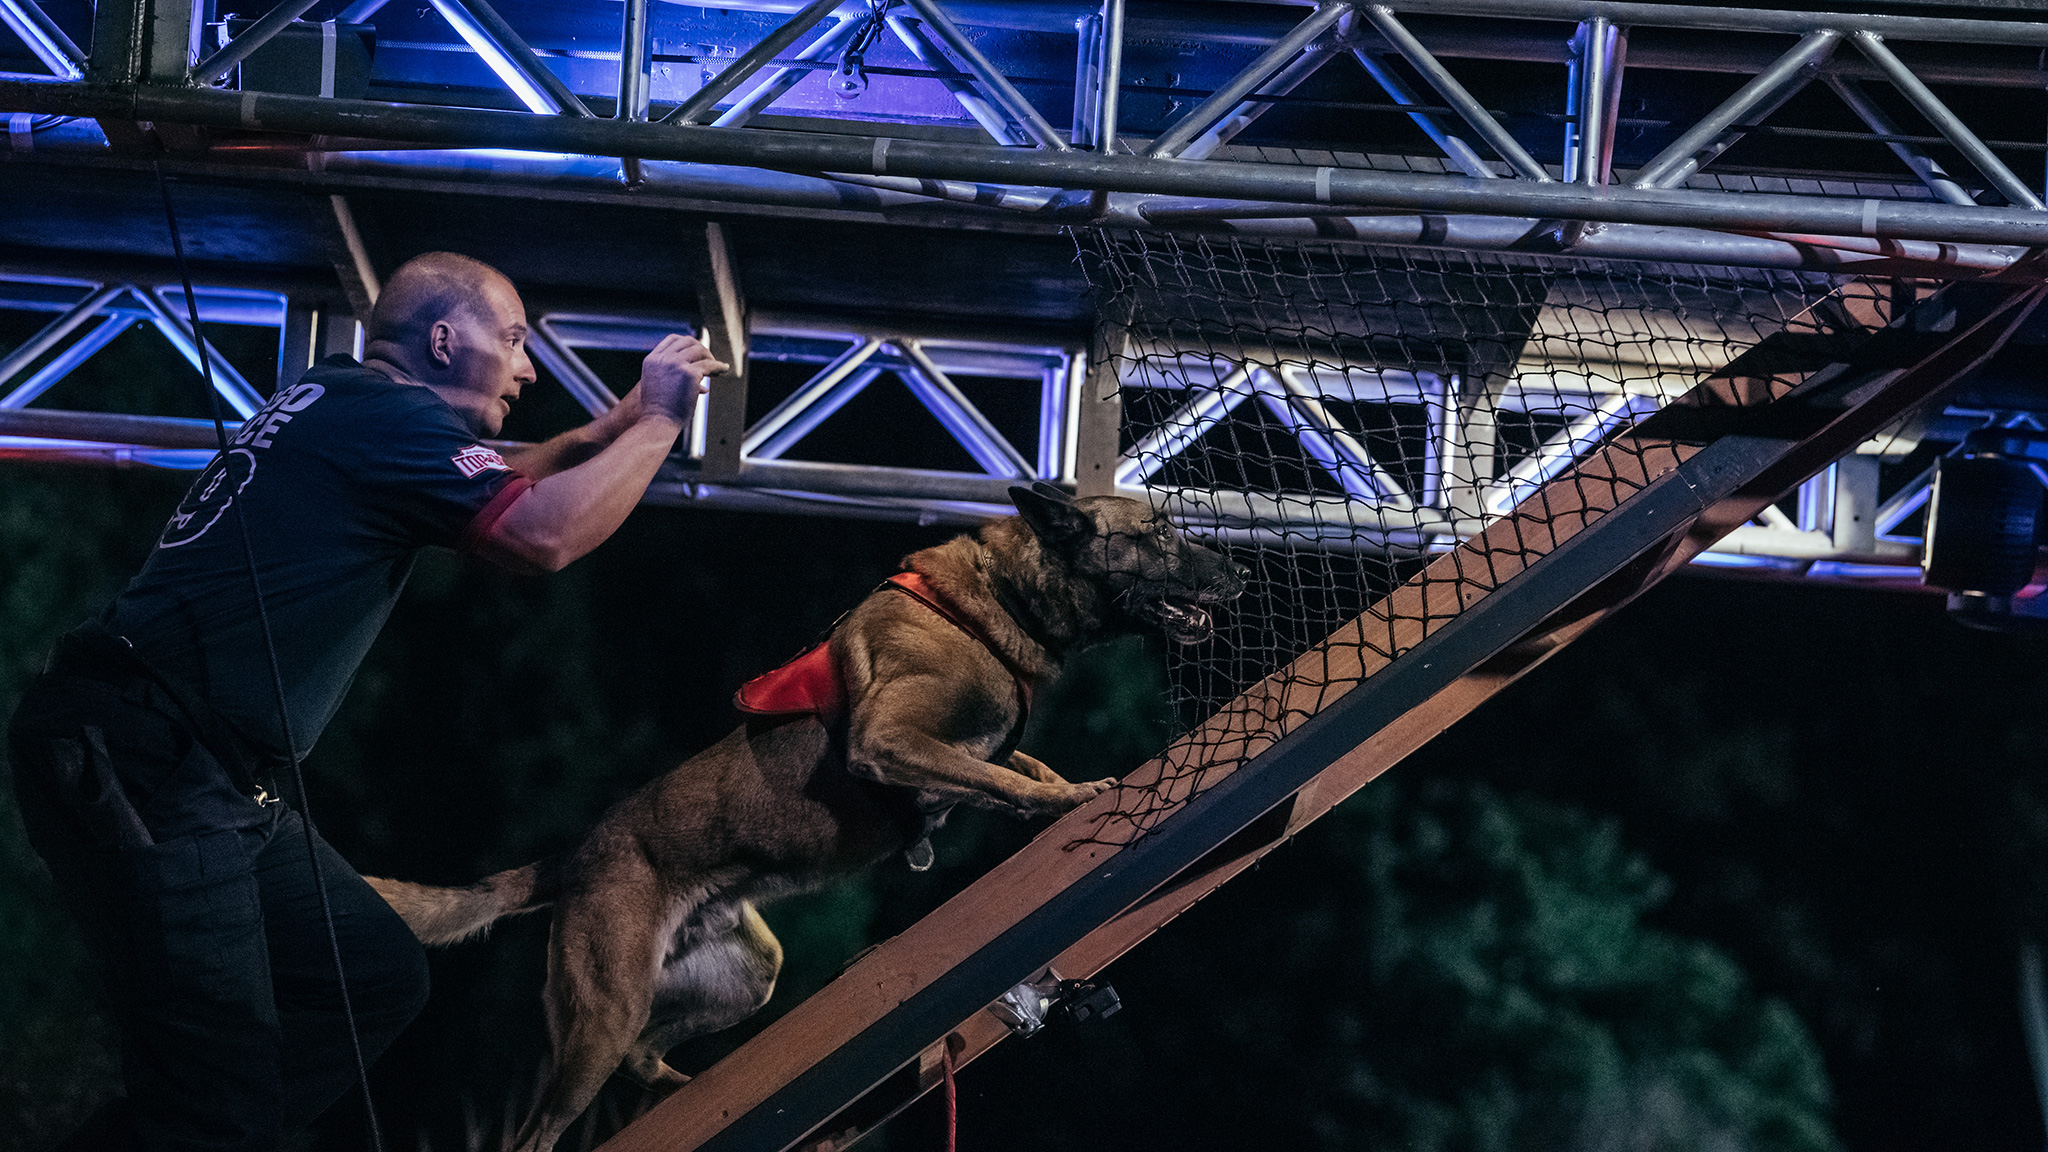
{"x":475,"y":537}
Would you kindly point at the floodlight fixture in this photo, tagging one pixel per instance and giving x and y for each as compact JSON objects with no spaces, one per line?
{"x":1982,"y":524}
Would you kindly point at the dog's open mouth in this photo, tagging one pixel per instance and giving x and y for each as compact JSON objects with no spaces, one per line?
{"x":1185,"y":622}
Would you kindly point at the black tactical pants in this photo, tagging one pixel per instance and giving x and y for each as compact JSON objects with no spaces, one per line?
{"x":200,"y":906}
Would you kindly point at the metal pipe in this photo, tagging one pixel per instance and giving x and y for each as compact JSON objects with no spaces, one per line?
{"x":1054,"y":393}
{"x":1203,"y":411}
{"x":1689,"y":50}
{"x":1087,"y":80}
{"x":1262,"y":24}
{"x":570,"y":371}
{"x":783,"y":79}
{"x":1182,"y":133}
{"x":1342,"y":454}
{"x":1003,"y":196}
{"x":944,"y":399}
{"x":634,"y":50}
{"x":1756,"y":248}
{"x":1789,"y":21}
{"x":823,"y":403}
{"x":1574,"y":102}
{"x":1926,"y":167}
{"x":486,"y":32}
{"x":986,"y":114}
{"x":1964,"y":258}
{"x":55,"y":331}
{"x":1945,"y":122}
{"x":215,"y":68}
{"x":778,"y":431}
{"x":63,"y":362}
{"x":737,"y":72}
{"x":999,"y":87}
{"x":1284,"y":81}
{"x":1109,"y":76}
{"x":110,"y":428}
{"x":1534,"y":471}
{"x":1461,"y":154}
{"x":358,"y":252}
{"x":1454,"y":94}
{"x":816,"y":152}
{"x":360,"y":11}
{"x":192,"y":345}
{"x":28,"y":21}
{"x":1716,"y":133}
{"x":1595,"y":96}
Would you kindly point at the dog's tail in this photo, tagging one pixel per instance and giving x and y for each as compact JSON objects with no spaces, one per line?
{"x":450,"y":915}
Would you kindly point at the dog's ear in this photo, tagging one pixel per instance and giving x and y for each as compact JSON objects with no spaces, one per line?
{"x":1051,"y":514}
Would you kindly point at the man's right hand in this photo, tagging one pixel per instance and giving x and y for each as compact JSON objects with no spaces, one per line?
{"x":672,"y":377}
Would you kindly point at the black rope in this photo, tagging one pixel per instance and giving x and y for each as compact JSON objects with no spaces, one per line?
{"x":284,"y":719}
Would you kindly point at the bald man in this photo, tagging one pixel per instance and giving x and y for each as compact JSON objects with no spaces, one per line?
{"x":144,"y":755}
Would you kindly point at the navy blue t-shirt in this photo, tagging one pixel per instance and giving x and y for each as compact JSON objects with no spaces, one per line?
{"x":341,"y":478}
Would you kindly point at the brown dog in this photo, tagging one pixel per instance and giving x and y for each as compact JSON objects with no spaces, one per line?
{"x":656,"y":938}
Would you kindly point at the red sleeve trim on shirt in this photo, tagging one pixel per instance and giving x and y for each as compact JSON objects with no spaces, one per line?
{"x":479,"y":530}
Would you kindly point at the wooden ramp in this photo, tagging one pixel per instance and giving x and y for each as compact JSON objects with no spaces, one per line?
{"x":1298,"y":742}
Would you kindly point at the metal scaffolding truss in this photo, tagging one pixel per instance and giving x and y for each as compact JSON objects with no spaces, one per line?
{"x":1833,"y":526}
{"x":612,"y":119}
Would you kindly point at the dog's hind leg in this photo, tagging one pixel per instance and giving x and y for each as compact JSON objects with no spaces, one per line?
{"x":604,"y":954}
{"x":714,"y":980}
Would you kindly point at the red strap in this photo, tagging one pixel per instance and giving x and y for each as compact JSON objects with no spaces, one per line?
{"x":810,"y":685}
{"x":921,"y":590}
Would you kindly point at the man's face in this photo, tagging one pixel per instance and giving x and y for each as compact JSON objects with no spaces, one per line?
{"x":482,"y":354}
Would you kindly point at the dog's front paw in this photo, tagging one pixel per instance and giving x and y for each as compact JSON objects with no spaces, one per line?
{"x":1054,"y":799}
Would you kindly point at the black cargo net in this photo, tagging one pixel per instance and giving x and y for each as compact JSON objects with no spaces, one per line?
{"x":1339,"y":419}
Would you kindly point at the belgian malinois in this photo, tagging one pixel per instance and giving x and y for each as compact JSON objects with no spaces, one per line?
{"x":926,"y":685}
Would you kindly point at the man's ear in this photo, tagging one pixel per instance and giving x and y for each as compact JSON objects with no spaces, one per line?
{"x":1051,"y":514}
{"x":441,"y":343}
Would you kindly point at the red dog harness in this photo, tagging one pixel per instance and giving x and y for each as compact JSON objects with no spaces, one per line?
{"x":810,"y":685}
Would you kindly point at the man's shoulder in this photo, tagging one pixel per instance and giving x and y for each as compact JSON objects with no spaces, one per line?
{"x":375,"y":396}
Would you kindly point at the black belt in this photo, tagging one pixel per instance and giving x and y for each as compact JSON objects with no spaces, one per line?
{"x":92,"y":652}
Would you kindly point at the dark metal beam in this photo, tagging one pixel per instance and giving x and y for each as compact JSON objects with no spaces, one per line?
{"x":1791,"y":21}
{"x":215,"y":68}
{"x":884,"y":156}
{"x":736,"y":73}
{"x":44,"y":38}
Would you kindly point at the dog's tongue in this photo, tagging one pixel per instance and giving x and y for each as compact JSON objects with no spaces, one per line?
{"x":1191,"y":619}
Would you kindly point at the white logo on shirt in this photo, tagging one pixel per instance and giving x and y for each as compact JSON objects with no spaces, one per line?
{"x":258,"y":429}
{"x":476,"y":460}
{"x":210,"y":496}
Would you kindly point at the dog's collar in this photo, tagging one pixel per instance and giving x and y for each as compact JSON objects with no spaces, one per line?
{"x":1025,"y":620}
{"x":914,"y":585}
